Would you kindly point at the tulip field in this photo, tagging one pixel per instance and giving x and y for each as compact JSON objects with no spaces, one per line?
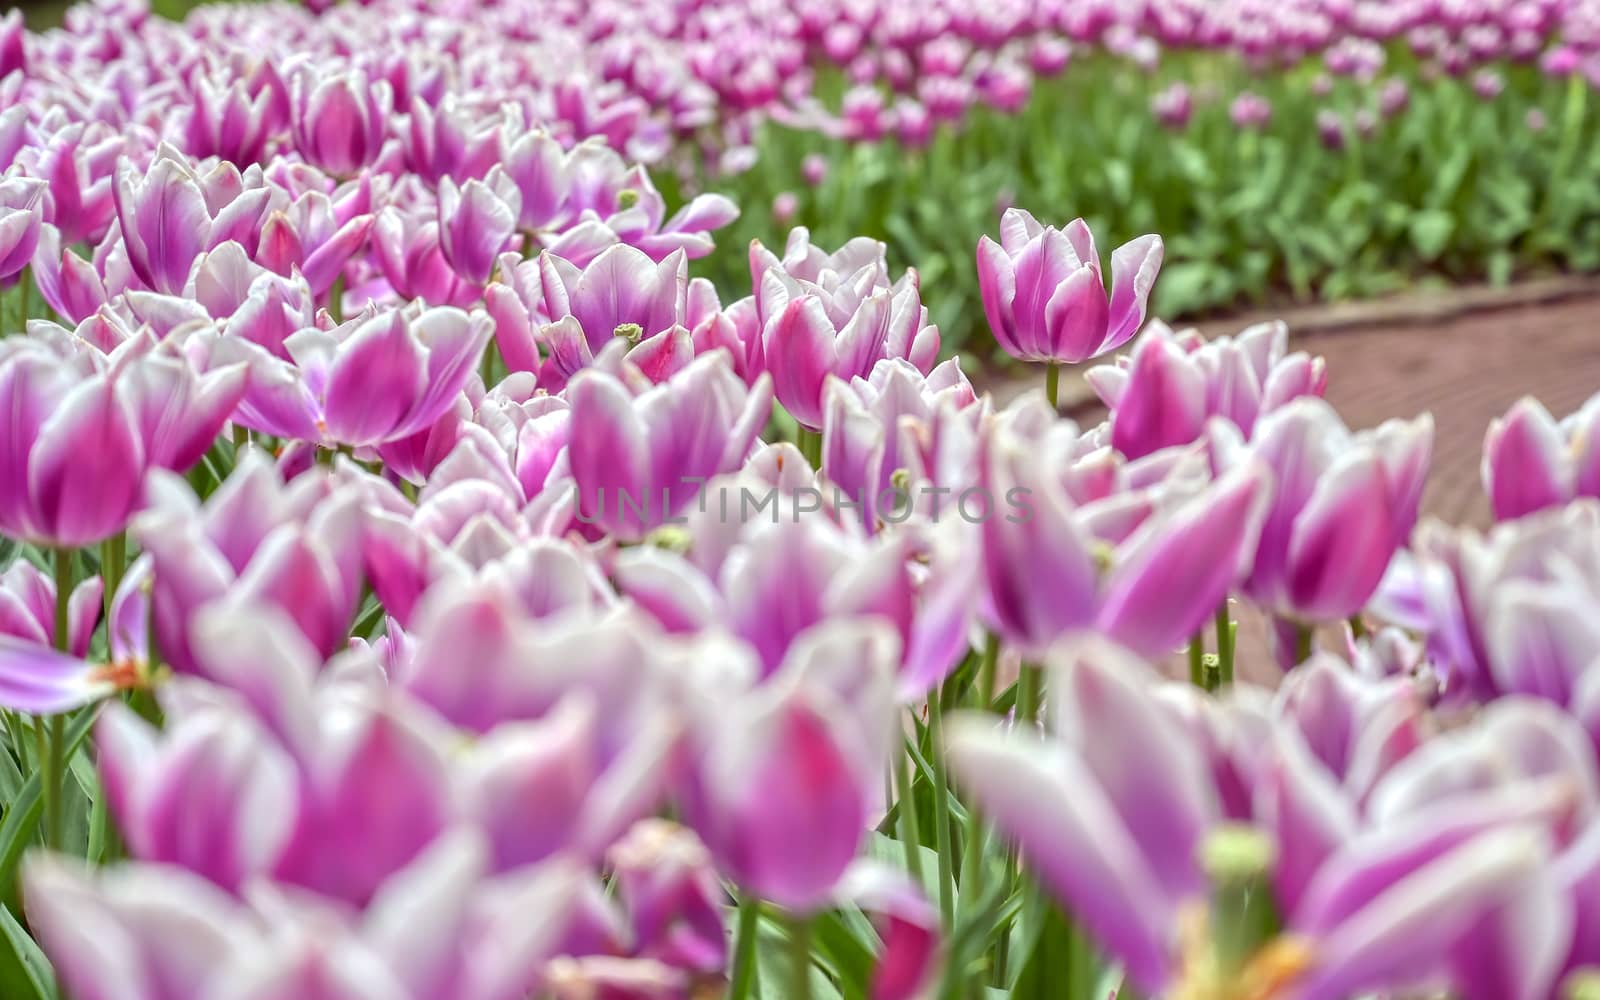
{"x":501,"y":501}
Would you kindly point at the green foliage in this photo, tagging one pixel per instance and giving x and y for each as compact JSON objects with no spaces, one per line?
{"x":1453,"y":187}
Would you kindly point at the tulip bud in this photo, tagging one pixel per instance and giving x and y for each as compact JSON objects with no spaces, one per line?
{"x":339,"y":119}
{"x":1238,"y":859}
{"x":1582,"y":984}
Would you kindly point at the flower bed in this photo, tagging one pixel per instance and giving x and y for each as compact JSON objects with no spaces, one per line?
{"x":421,"y":582}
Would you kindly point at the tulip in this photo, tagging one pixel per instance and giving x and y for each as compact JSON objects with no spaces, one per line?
{"x":899,"y":421}
{"x":1371,"y":910}
{"x":317,"y":234}
{"x":161,"y":917}
{"x":338,"y":120}
{"x":552,"y":785}
{"x":1164,"y":393}
{"x":1531,"y":463}
{"x":377,"y":378}
{"x":672,"y":896}
{"x":1341,"y":505}
{"x":21,"y":217}
{"x":771,"y":581}
{"x":542,"y":172}
{"x":638,"y":457}
{"x":220,"y":763}
{"x":68,"y":284}
{"x":834,"y":314}
{"x":78,"y":164}
{"x":510,"y":644}
{"x":228,"y":122}
{"x":172,"y":215}
{"x":476,"y":221}
{"x":77,"y":449}
{"x":1504,"y":610}
{"x":407,"y":247}
{"x":1173,"y":107}
{"x":257,"y":540}
{"x":1250,"y":111}
{"x":1171,"y":566}
{"x":445,"y":142}
{"x":28,"y":608}
{"x":622,"y":288}
{"x":781,"y":785}
{"x":1045,"y":298}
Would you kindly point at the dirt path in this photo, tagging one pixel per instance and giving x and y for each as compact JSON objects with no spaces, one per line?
{"x":1465,"y":371}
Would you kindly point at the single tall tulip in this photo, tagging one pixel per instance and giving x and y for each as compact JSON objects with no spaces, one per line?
{"x":1044,"y":295}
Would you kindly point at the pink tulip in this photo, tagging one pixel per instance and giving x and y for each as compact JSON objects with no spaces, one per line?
{"x":825,"y":315}
{"x":172,"y":215}
{"x":638,"y":454}
{"x":1172,"y":383}
{"x":1530,"y":462}
{"x":376,"y":378}
{"x":476,"y":222}
{"x":1341,"y":505}
{"x":1044,"y":295}
{"x":338,"y":119}
{"x":21,"y":217}
{"x":781,"y":785}
{"x":257,"y":540}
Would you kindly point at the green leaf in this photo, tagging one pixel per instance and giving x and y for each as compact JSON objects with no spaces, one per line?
{"x":850,"y":946}
{"x":25,"y":973}
{"x":1431,"y":230}
{"x":892,"y":851}
{"x":1184,"y":286}
{"x":1058,"y":962}
{"x":22,"y":815}
{"x":1501,"y":264}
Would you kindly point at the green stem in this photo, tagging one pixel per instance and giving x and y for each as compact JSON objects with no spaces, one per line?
{"x":486,"y":367}
{"x":54,"y":764}
{"x":941,"y":809}
{"x":336,"y":300}
{"x":799,"y":957}
{"x":1029,"y":688}
{"x":113,"y":559}
{"x":63,"y":581}
{"x":810,"y":444}
{"x":1225,"y":629}
{"x":24,"y":282}
{"x":744,"y":948}
{"x":986,"y":671}
{"x":1302,"y":643}
{"x":1197,"y":653}
{"x":906,"y":816}
{"x":241,"y":440}
{"x":1052,"y":383}
{"x":1358,"y":628}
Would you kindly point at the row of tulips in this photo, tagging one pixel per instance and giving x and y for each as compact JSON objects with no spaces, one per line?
{"x":1371,"y":132}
